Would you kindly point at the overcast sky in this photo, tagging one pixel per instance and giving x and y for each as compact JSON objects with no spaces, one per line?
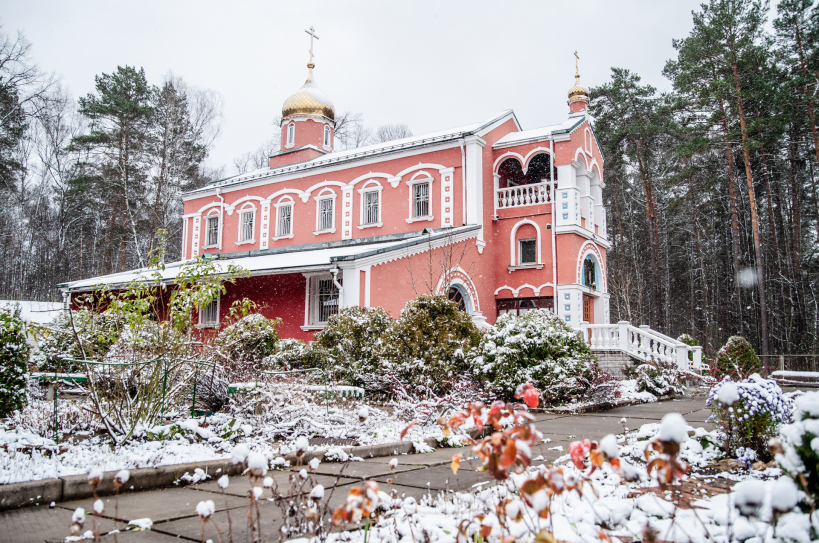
{"x":430,"y":64}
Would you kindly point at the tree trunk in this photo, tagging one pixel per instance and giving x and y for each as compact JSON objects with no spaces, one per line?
{"x":760,"y":265}
{"x":732,"y":198}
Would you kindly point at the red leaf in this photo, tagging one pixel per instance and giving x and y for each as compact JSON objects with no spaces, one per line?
{"x":405,"y":430}
{"x":578,"y":451}
{"x":530,"y":395}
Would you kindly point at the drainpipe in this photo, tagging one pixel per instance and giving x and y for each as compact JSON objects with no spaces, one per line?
{"x":221,"y":214}
{"x":463,"y":179}
{"x":340,"y":288}
{"x":554,"y":223}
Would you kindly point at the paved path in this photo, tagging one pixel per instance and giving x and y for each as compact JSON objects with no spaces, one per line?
{"x":172,"y":509}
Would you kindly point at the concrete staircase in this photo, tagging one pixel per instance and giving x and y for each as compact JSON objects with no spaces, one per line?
{"x":622,"y":344}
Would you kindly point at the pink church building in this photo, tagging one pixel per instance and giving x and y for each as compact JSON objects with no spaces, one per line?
{"x":500,"y":219}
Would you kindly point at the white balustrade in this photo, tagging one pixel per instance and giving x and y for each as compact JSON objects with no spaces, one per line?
{"x":523,"y":195}
{"x":641,"y":342}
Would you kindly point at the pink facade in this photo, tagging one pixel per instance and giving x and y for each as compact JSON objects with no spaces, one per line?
{"x":498,"y":218}
{"x":483,"y":193}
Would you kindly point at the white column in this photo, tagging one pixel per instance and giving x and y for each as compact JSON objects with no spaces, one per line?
{"x":351,"y":283}
{"x":474,"y":179}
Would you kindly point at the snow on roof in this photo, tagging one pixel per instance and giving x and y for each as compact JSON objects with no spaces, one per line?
{"x":300,"y":258}
{"x":36,"y":312}
{"x":361,"y":152}
{"x":572,"y":122}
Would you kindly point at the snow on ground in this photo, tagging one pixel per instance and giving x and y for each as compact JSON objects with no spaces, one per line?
{"x":27,"y":454}
{"x":759,"y":508}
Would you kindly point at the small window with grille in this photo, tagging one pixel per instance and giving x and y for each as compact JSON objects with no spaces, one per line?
{"x":420,"y":200}
{"x":291,"y":134}
{"x":323,"y":298}
{"x":528,"y":251}
{"x":285,"y":221}
{"x":246,"y":226}
{"x":213,"y":231}
{"x":325,"y":221}
{"x":209,"y":314}
{"x":371,"y":207}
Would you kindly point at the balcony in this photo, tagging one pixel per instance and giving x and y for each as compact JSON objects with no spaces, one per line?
{"x":523,"y":195}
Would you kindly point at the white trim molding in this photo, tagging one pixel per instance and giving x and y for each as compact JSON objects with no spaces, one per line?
{"x":513,"y":245}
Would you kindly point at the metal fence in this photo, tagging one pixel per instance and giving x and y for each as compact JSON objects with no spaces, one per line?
{"x":790,"y":362}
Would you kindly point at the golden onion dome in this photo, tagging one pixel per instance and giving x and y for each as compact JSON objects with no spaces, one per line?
{"x":578,"y":93}
{"x":309,"y":101}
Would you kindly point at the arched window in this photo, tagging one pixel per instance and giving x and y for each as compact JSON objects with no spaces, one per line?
{"x":511,"y":172}
{"x":590,"y":272}
{"x":291,"y":133}
{"x":327,"y":136}
{"x":457,"y":294}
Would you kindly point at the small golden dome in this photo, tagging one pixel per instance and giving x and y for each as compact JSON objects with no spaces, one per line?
{"x":578,"y":93}
{"x":309,"y":101}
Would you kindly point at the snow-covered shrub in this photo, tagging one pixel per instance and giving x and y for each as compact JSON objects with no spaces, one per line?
{"x":427,"y":346}
{"x":798,"y":455}
{"x":736,"y":359}
{"x":659,"y":378}
{"x":538,"y":348}
{"x":289,"y":354}
{"x":97,"y":332}
{"x":14,"y":353}
{"x":688,"y":340}
{"x":748,"y":413}
{"x":353,"y":345}
{"x":243,"y":344}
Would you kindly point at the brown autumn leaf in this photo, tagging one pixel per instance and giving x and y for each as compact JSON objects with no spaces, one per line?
{"x":456,"y":463}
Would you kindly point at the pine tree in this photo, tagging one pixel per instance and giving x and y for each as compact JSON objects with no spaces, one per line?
{"x":120,"y":115}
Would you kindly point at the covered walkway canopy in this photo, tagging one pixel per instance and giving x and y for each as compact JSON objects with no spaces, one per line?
{"x":294,"y":259}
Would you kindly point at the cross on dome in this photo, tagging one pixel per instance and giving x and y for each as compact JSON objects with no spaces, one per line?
{"x":309,"y":101}
{"x":577,"y":93}
{"x":312,"y":33}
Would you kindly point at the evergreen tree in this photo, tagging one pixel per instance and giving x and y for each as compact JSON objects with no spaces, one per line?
{"x":120,"y":115}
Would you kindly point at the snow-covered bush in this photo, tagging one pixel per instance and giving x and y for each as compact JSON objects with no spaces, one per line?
{"x":798,"y":455}
{"x":243,"y":344}
{"x":14,"y":353}
{"x":659,"y":378}
{"x":748,"y":413}
{"x":97,"y":332}
{"x":539,"y":348}
{"x":352,"y":344}
{"x":736,"y":359}
{"x":289,"y":354}
{"x":427,"y":346}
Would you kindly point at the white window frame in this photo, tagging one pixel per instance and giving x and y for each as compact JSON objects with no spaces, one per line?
{"x":285,"y":201}
{"x":417,"y":179}
{"x":370,"y":187}
{"x":206,"y":219}
{"x":247,"y":208}
{"x":291,"y":134}
{"x":327,"y":135}
{"x":326,"y":194}
{"x":311,"y":308}
{"x":520,"y":252}
{"x":214,"y":324}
